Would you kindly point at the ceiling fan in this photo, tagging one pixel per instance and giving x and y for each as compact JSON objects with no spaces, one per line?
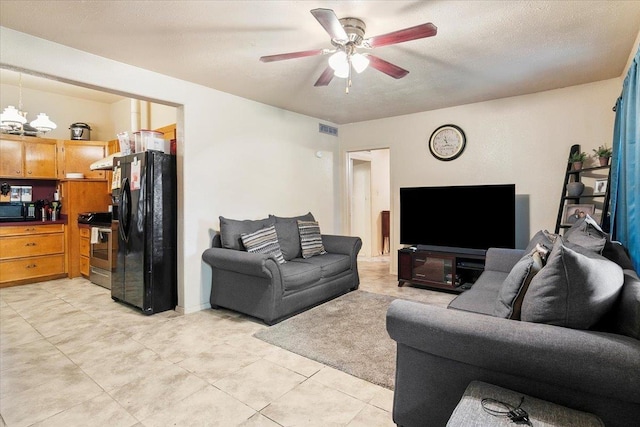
{"x":347,"y":37}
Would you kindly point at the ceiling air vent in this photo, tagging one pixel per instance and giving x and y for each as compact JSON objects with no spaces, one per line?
{"x":329,"y":130}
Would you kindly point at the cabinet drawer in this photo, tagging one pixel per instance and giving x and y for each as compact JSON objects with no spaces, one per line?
{"x":19,"y":230}
{"x":84,"y":247}
{"x":430,"y":268}
{"x":29,"y":246}
{"x":85,"y":232}
{"x":29,"y":268}
{"x":84,"y":266}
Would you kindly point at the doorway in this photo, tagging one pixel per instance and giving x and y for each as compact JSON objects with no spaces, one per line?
{"x":369,"y":195}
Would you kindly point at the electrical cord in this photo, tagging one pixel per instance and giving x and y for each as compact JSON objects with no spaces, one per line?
{"x":516,"y":414}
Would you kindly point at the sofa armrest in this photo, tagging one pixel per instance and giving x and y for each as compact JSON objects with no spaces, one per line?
{"x":502,"y":259}
{"x":346,"y":245}
{"x":242,"y":262}
{"x":593,"y":362}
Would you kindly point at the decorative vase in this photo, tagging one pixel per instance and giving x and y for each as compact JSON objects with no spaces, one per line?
{"x":604,"y":161}
{"x":575,"y":189}
{"x":577,"y":166}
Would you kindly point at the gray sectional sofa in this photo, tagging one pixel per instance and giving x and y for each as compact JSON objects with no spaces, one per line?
{"x":290,"y":277}
{"x":565,"y":331}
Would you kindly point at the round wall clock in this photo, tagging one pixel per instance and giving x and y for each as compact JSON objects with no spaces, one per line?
{"x":447,"y":142}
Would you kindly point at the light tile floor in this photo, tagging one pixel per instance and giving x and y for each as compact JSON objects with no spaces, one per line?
{"x":70,"y":356}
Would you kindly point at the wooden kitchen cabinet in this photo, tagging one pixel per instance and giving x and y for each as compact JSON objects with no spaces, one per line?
{"x":28,"y":157}
{"x":85,"y":249}
{"x":11,"y":158}
{"x":77,"y":157}
{"x":31,"y":253}
{"x":79,"y":196}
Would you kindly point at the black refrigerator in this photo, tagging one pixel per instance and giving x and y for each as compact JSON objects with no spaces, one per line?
{"x":144,"y":191}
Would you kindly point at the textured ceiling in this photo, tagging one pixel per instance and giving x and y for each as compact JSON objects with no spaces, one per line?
{"x":483,"y":50}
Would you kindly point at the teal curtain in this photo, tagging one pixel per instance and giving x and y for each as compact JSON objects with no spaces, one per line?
{"x":625,"y":167}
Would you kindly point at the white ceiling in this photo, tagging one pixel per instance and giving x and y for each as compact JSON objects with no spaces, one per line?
{"x":483,"y":50}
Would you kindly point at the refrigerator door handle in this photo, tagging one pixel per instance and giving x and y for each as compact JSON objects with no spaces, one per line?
{"x":125,"y":210}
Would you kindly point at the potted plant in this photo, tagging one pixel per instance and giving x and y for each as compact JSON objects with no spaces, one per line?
{"x":577,"y":159}
{"x":603,"y":153}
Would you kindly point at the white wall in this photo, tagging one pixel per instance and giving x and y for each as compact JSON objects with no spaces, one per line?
{"x":523,"y":140}
{"x":236,"y":158}
{"x":380,"y":195}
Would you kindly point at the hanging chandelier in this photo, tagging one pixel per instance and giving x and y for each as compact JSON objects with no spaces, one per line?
{"x":14,"y":121}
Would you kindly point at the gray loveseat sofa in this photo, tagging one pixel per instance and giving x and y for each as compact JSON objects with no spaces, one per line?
{"x":592,"y":366}
{"x":259,"y":285}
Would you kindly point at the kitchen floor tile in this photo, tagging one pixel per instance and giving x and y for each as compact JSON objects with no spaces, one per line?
{"x":314,"y":404}
{"x":260,"y":383}
{"x":102,"y":410}
{"x":370,"y":416}
{"x":144,"y":397}
{"x":207,"y":407}
{"x":44,"y":400}
{"x":71,"y":356}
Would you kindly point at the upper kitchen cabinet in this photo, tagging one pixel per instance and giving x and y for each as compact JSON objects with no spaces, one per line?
{"x":28,"y":157}
{"x":77,"y":157}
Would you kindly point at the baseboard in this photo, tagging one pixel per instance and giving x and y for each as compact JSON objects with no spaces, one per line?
{"x":194,"y":309}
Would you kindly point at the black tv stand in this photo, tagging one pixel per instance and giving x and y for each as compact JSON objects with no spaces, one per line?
{"x":440,"y":267}
{"x":451,"y":249}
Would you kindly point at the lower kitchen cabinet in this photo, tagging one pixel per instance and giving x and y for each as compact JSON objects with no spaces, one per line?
{"x":85,"y":249}
{"x":31,"y":253}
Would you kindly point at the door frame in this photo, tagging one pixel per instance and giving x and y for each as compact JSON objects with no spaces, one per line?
{"x":366,"y":155}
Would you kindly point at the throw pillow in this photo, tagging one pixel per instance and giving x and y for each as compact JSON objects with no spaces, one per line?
{"x":587,"y":233}
{"x":574,"y":289}
{"x":617,"y":253}
{"x":288,"y":235}
{"x":264,"y":241}
{"x":310,"y":239}
{"x":514,"y":287}
{"x":232,"y":229}
{"x":542,"y":237}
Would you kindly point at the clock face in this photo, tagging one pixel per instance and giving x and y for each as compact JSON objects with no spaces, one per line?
{"x":447,"y":142}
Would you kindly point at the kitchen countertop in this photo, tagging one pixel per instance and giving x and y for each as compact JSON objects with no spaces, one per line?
{"x":62,"y":220}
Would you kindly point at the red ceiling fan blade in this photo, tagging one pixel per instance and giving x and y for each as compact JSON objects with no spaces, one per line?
{"x":387,"y":67}
{"x":325,"y":77}
{"x":331,"y":24}
{"x":291,"y":55}
{"x":400,"y":36}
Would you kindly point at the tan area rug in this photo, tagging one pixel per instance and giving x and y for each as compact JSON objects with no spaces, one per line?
{"x":348,"y":333}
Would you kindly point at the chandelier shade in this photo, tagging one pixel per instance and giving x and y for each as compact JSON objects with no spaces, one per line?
{"x":43,"y":124}
{"x":11,"y":118}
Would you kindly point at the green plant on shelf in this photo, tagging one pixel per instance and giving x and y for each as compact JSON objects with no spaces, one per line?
{"x":602,"y":151}
{"x":578,"y":157}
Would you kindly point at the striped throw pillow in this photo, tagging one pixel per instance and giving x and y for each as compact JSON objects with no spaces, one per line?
{"x":264,"y":241}
{"x":310,"y":239}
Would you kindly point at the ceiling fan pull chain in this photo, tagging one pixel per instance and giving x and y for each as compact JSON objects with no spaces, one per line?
{"x":349,"y":76}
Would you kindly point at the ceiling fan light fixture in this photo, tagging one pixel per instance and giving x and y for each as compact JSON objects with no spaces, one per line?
{"x":343,"y":72}
{"x":43,"y":124}
{"x":359,"y":62}
{"x":338,"y":60}
{"x":340,"y":64}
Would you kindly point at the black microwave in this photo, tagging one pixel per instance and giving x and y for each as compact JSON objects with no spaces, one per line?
{"x":17,"y":211}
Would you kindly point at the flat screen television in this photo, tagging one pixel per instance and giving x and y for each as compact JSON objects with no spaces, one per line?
{"x":468,"y":217}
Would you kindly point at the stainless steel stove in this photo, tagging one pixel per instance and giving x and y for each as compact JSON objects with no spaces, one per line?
{"x":101,"y":258}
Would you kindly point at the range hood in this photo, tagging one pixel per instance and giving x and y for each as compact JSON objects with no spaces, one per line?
{"x":106,"y":163}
